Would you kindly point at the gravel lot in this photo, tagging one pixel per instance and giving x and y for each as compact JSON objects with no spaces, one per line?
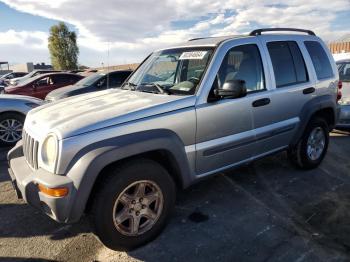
{"x":267,"y":211}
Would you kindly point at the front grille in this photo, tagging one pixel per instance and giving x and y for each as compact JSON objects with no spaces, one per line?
{"x":30,"y":150}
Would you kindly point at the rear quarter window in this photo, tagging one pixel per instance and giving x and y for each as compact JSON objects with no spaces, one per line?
{"x":288,"y":63}
{"x":319,"y":59}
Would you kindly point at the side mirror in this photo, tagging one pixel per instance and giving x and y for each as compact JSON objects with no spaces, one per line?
{"x":35,"y":85}
{"x":232,"y":89}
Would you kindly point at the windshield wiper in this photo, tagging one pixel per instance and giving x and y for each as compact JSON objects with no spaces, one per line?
{"x":160,"y":88}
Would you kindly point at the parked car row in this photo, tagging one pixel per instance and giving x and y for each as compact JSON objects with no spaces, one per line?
{"x":16,"y":100}
{"x":42,"y":84}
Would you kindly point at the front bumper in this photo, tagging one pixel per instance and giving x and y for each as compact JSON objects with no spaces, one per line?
{"x":344,"y":116}
{"x":25,"y":181}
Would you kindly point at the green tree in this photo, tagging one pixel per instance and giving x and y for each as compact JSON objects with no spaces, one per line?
{"x":63,"y":47}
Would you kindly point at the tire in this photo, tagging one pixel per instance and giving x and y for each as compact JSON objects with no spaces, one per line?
{"x":299,"y":154}
{"x":118,"y":236}
{"x":15,"y":121}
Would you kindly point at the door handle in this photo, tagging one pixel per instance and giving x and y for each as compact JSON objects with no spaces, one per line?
{"x":261,"y":102}
{"x":308,"y":90}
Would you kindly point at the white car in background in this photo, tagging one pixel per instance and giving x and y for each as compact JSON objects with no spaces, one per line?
{"x":344,"y":102}
{"x":13,"y":110}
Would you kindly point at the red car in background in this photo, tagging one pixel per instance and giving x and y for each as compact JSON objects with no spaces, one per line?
{"x":41,"y":85}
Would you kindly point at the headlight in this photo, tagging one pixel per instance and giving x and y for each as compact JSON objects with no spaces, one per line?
{"x":49,"y":151}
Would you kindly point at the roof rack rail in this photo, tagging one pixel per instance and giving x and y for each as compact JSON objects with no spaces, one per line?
{"x":199,"y":38}
{"x":259,"y":31}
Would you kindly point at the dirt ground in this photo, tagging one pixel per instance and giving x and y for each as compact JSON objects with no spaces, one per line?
{"x":267,"y":211}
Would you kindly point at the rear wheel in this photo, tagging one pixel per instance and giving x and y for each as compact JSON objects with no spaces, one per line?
{"x":313,"y":145}
{"x":11,"y":125}
{"x":133,"y":204}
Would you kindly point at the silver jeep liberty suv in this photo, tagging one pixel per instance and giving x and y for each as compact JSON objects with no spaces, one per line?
{"x":187,"y":112}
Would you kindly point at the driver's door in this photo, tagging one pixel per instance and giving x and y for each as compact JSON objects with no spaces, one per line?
{"x":225,"y":128}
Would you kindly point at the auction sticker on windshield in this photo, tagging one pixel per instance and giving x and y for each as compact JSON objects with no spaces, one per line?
{"x":193,"y":55}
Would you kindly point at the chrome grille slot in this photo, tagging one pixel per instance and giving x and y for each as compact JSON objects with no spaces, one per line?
{"x":30,"y":150}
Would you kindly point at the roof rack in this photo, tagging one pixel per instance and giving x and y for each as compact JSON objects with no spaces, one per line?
{"x":259,"y":31}
{"x":199,"y":38}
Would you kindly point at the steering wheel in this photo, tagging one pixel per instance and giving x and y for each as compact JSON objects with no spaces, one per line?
{"x":194,"y":80}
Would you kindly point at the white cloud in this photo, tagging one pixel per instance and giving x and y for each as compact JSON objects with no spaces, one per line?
{"x":134,"y":28}
{"x":32,"y":39}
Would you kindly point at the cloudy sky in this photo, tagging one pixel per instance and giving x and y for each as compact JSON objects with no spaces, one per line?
{"x":131,"y":29}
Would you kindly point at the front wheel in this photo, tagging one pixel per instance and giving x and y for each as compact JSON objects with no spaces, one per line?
{"x":133,"y":204}
{"x":313,"y":145}
{"x":11,"y":125}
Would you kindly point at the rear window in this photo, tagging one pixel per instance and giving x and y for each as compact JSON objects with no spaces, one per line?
{"x":288,"y":63}
{"x":319,"y":59}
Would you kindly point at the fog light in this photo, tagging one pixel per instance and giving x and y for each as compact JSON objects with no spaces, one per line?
{"x":54,"y":192}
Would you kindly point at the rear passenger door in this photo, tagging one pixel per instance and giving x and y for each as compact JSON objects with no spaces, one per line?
{"x":276,"y":116}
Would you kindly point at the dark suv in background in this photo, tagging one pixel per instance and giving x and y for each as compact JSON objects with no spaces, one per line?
{"x":95,"y":82}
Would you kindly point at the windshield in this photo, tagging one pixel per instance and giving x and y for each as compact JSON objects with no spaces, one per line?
{"x":173,"y":71}
{"x":90,"y":80}
{"x":5,"y":75}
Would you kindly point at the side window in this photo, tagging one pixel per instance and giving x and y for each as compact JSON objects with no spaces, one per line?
{"x":115,"y":80}
{"x":43,"y":82}
{"x":344,"y":72}
{"x":73,"y":79}
{"x":101,"y":83}
{"x":59,"y":79}
{"x":288,"y":63}
{"x":319,"y":59}
{"x":243,"y":63}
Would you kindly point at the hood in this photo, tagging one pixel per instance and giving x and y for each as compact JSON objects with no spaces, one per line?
{"x":84,"y":113}
{"x":5,"y":97}
{"x":63,"y":92}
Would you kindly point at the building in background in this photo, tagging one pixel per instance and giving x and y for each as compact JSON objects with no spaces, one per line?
{"x":29,"y":67}
{"x":42,"y":66}
{"x":4,"y":68}
{"x":26,"y":67}
{"x":341,"y":48}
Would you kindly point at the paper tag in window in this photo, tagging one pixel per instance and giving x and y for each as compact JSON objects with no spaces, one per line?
{"x":193,"y":55}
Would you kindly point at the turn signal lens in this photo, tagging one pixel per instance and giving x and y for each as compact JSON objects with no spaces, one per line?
{"x":54,"y":192}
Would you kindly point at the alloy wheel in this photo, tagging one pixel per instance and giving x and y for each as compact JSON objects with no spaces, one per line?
{"x":10,"y":130}
{"x":316,"y":143}
{"x":138,"y":208}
